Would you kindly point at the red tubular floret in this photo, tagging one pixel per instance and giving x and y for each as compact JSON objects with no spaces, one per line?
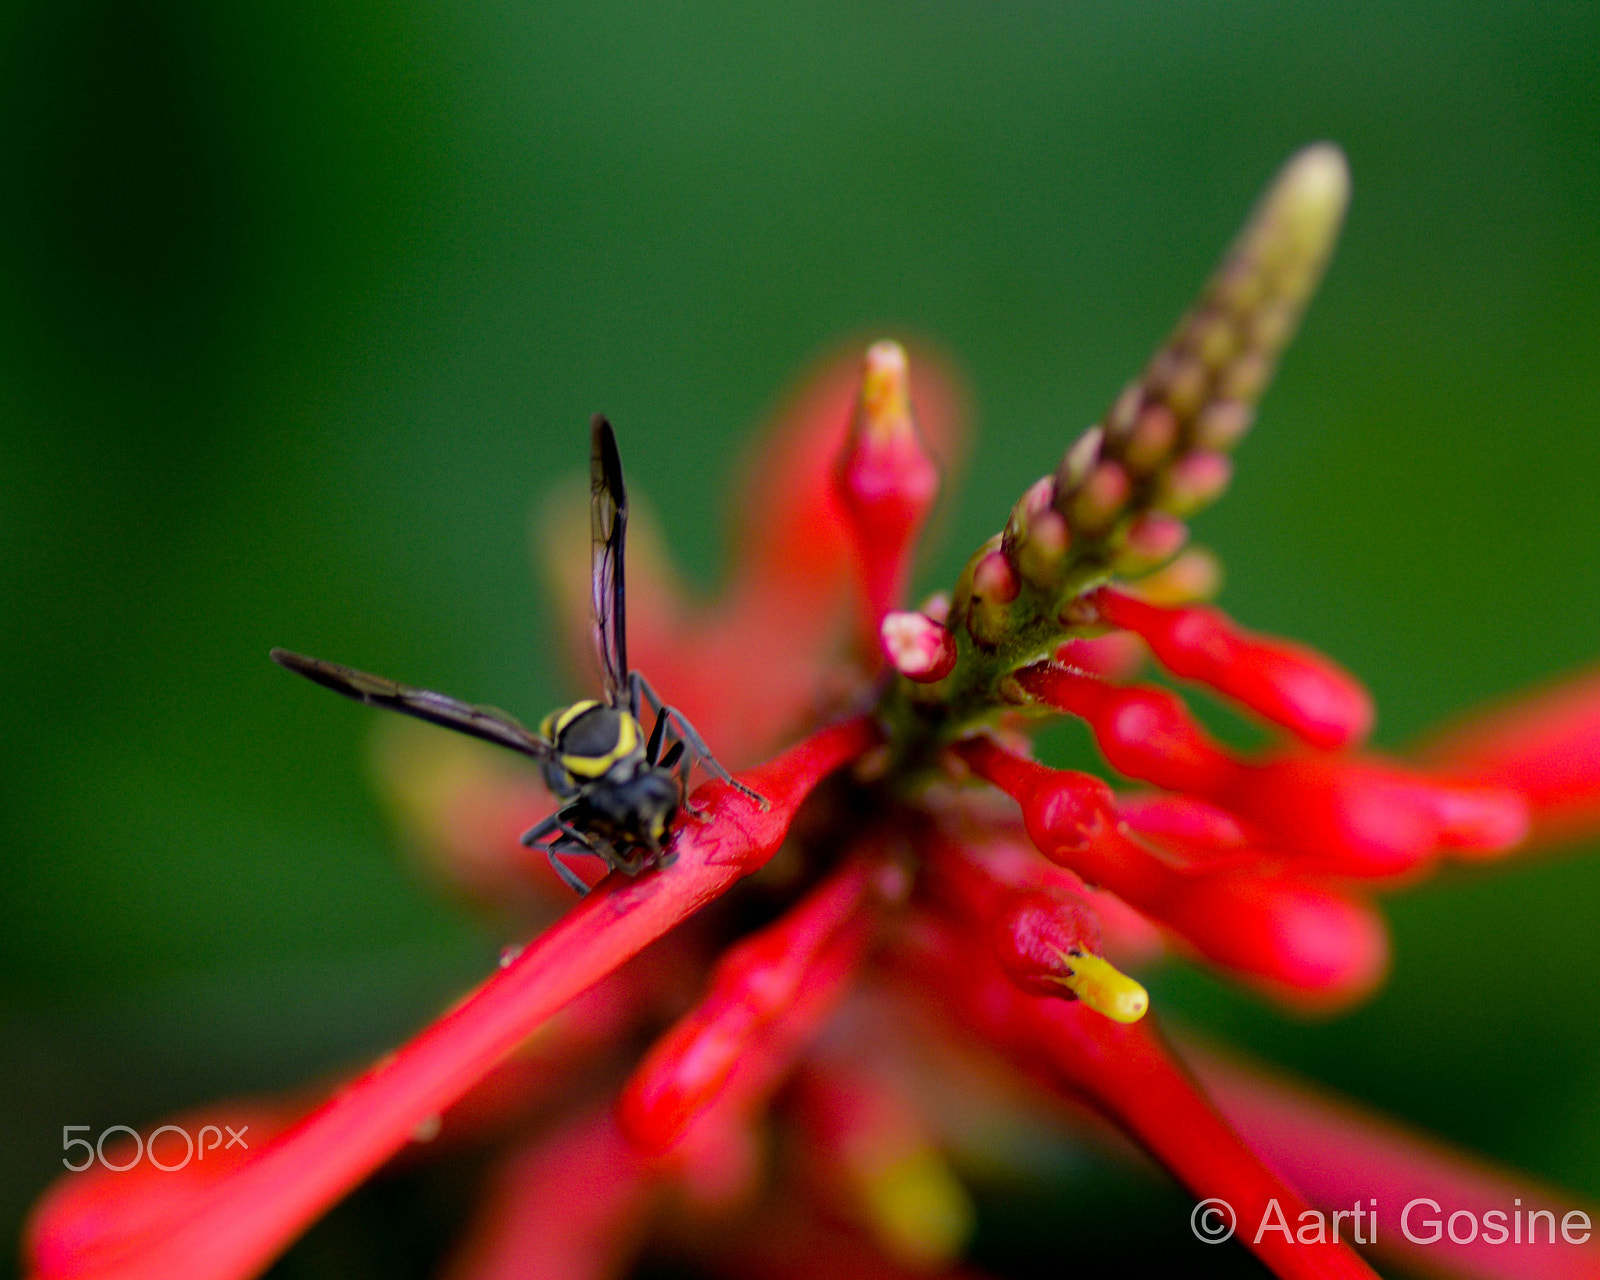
{"x":1284,"y":683}
{"x":1340,"y":1153}
{"x":1331,"y":814}
{"x":1301,"y":940}
{"x":1034,"y":934}
{"x":755,"y":982}
{"x":1545,"y":746}
{"x":1368,"y":818}
{"x":884,"y":481}
{"x":1144,"y":732}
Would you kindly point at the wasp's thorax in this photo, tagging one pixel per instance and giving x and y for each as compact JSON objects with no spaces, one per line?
{"x":592,"y":741}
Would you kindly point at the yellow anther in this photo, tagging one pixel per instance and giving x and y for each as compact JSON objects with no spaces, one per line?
{"x":885,"y":404}
{"x":1096,"y":982}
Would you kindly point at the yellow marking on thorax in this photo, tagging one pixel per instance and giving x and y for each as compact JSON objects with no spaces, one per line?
{"x":598,"y":766}
{"x":551,"y":726}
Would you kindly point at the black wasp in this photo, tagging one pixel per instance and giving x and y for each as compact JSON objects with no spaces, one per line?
{"x":619,"y":790}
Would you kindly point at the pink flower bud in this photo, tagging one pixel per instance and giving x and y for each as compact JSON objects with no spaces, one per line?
{"x":917,"y":647}
{"x":1194,"y":481}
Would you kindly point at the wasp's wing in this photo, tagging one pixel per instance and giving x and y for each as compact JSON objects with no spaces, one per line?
{"x":608,"y":525}
{"x":481,"y":722}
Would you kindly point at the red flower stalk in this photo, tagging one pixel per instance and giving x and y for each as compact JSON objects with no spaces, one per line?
{"x":886,"y":867}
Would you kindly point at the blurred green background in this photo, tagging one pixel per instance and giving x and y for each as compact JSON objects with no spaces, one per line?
{"x":302,"y":307}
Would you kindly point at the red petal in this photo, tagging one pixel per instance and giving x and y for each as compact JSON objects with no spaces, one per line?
{"x":1545,"y":745}
{"x":1286,"y":684}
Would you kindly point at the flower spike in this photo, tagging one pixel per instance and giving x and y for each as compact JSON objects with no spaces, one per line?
{"x":998,"y":909}
{"x":1116,"y":502}
{"x":1163,"y":445}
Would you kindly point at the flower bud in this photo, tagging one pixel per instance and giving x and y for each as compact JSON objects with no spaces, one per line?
{"x":1196,"y":480}
{"x":994,"y":586}
{"x":884,"y":480}
{"x":917,"y":647}
{"x":1152,"y":538}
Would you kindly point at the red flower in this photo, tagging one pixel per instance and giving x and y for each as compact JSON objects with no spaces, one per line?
{"x":939,"y":921}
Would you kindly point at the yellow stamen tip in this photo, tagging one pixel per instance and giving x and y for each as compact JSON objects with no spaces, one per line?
{"x":885,"y":391}
{"x":1104,"y":989}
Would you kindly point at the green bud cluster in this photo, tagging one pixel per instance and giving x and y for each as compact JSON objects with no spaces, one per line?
{"x":1115,"y":505}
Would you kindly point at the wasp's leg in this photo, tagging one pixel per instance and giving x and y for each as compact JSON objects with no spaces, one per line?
{"x":640,"y":692}
{"x":548,"y":827}
{"x":569,"y":877}
{"x":639,"y":688}
{"x":572,"y":840}
{"x":699,"y":750}
{"x":652,"y":749}
{"x":639,"y":860}
{"x":675,"y":754}
{"x":579,"y":841}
